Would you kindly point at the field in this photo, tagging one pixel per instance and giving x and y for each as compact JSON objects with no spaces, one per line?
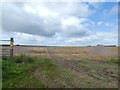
{"x":61,"y":67}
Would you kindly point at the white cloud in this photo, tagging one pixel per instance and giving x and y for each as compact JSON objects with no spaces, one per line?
{"x":100,"y":23}
{"x":45,"y":19}
{"x":96,"y":38}
{"x":74,"y":26}
{"x":93,"y":39}
{"x":16,"y":19}
{"x":29,"y":39}
{"x":108,"y":24}
{"x":53,"y":24}
{"x":41,"y":11}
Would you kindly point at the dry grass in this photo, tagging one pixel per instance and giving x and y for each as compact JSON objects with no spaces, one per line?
{"x":73,"y":67}
{"x":68,"y":53}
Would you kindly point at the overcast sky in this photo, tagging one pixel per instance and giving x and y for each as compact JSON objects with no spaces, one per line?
{"x":61,"y":23}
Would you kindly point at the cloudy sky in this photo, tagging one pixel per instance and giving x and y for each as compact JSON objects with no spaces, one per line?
{"x":60,"y":23}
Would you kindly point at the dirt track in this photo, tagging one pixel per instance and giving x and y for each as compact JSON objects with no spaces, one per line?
{"x":83,"y":62}
{"x":80,"y":71}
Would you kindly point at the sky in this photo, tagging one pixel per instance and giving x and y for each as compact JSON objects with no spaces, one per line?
{"x":60,"y":23}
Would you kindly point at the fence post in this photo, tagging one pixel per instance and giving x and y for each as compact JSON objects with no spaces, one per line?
{"x":11,"y":46}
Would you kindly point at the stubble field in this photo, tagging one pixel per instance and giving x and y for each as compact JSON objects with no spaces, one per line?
{"x":81,"y":67}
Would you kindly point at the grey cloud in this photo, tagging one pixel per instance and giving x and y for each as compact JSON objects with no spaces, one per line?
{"x":15,"y":19}
{"x":75,"y":27}
{"x":73,"y":31}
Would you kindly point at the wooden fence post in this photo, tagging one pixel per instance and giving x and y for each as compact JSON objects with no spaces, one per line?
{"x":11,"y":46}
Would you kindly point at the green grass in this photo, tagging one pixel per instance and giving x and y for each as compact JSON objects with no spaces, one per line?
{"x":111,"y":64}
{"x":55,"y":75}
{"x":17,"y":72}
{"x":113,"y":61}
{"x":105,"y":72}
{"x":20,"y":72}
{"x":26,"y":80}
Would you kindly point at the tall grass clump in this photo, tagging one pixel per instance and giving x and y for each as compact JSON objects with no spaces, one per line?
{"x":19,"y":59}
{"x":15,"y":66}
{"x":16,"y":71}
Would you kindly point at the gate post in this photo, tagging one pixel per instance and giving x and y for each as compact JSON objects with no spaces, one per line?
{"x":11,"y":46}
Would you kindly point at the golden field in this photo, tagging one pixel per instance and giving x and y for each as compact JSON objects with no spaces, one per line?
{"x":69,"y":67}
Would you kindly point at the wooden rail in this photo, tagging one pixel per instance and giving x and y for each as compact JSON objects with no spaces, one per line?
{"x":10,"y":49}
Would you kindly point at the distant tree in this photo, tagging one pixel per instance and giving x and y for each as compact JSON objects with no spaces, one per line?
{"x":18,"y":45}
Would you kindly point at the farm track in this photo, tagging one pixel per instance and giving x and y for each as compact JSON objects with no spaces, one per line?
{"x":83,"y":71}
{"x":80,"y":71}
{"x":69,"y":64}
{"x":63,"y":63}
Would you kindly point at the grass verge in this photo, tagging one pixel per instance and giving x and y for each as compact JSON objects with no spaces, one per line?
{"x":25,"y":72}
{"x":17,"y":72}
